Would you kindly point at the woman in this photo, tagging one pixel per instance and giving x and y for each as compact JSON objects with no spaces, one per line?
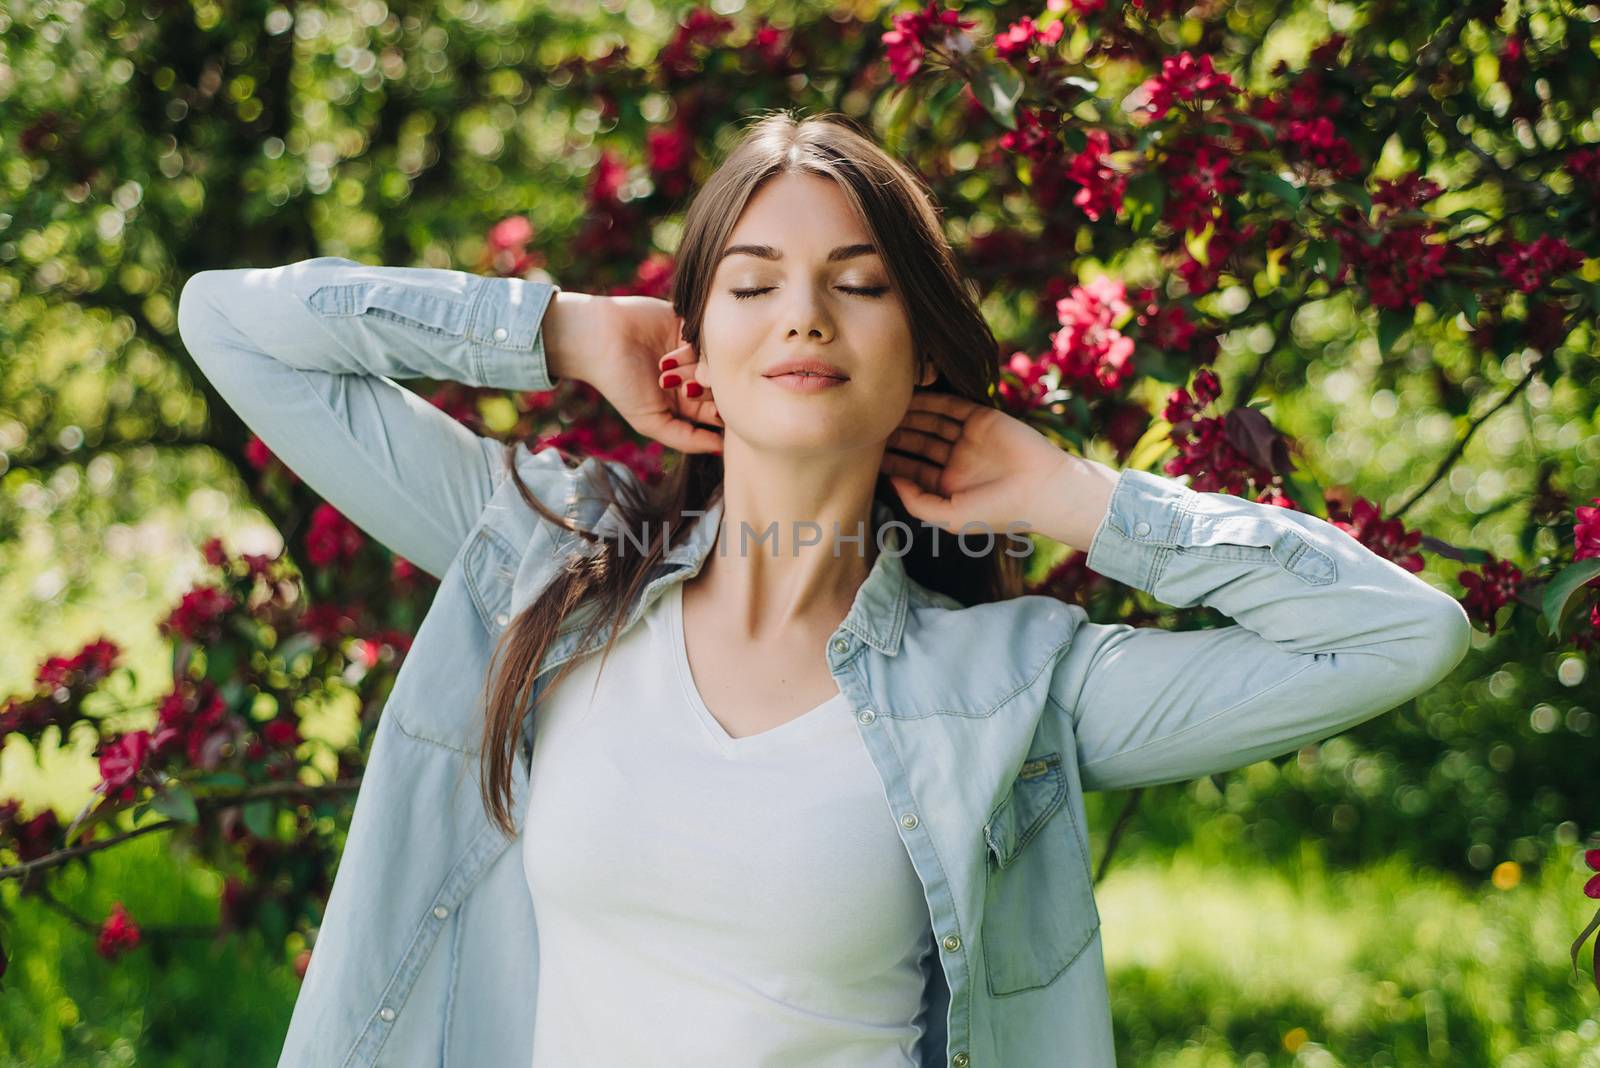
{"x":819,"y":802}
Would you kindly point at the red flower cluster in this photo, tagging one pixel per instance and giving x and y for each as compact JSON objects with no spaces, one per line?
{"x":701,"y":31}
{"x":1386,"y":537}
{"x":121,"y":761}
{"x":1168,"y":328}
{"x":85,"y":668}
{"x":1301,"y":116}
{"x":1584,"y":165}
{"x":1591,"y":857}
{"x":1023,"y":388}
{"x":1090,"y":350}
{"x":506,"y":251}
{"x":1013,"y":42}
{"x":118,"y":934}
{"x":1205,"y":452}
{"x":1225,"y":240}
{"x":915,"y":32}
{"x":607,"y":440}
{"x":32,"y":838}
{"x":199,"y":613}
{"x":1586,"y":531}
{"x":1183,"y":79}
{"x":1199,"y":178}
{"x":194,"y":719}
{"x":1489,"y":590}
{"x":1406,"y":255}
{"x":668,"y":151}
{"x":332,"y":539}
{"x":1102,"y":185}
{"x":1530,"y":266}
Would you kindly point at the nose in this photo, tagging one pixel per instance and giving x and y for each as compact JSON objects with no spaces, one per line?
{"x":812,"y":320}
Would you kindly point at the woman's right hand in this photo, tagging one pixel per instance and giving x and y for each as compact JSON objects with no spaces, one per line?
{"x":618,"y":345}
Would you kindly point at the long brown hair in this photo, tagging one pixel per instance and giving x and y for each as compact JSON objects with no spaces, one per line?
{"x":947,"y":329}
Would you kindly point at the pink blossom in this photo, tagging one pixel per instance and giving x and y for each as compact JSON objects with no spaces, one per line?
{"x":118,"y":933}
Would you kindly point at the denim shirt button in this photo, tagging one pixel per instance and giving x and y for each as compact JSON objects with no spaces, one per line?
{"x":1141,"y":528}
{"x":952,"y":942}
{"x":840,"y":645}
{"x":440,"y":911}
{"x":866,"y":715}
{"x":502,"y":618}
{"x":961,"y":1060}
{"x":500,"y":333}
{"x":909,"y":820}
{"x":387,"y":1013}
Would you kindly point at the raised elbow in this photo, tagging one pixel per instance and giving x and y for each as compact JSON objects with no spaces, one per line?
{"x":197,"y":310}
{"x":1446,"y":633}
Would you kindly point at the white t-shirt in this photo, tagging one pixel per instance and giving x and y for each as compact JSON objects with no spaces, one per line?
{"x":709,"y":900}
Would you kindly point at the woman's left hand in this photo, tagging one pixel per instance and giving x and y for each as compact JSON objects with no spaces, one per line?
{"x":974,"y":464}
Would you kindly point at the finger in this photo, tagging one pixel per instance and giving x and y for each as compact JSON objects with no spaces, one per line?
{"x":930,"y":446}
{"x":948,"y":404}
{"x":702,"y":409}
{"x":945,"y":426}
{"x":680,"y":434}
{"x":681,"y":356}
{"x":922,"y":504}
{"x":925,"y":475}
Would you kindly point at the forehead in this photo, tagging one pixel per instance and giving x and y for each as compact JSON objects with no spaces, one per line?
{"x":799,"y":214}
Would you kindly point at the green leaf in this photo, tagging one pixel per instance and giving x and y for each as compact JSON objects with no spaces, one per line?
{"x":221,"y":659}
{"x":939,"y":103}
{"x":1462,"y":298}
{"x":221,"y":778}
{"x":1303,"y":490}
{"x":1326,"y":253}
{"x":1356,"y":194}
{"x":1562,"y":595}
{"x":1392,"y":322}
{"x":1151,"y":446}
{"x":1142,"y":201}
{"x":1278,"y":187}
{"x":1198,"y":245}
{"x":178,"y":803}
{"x":998,"y":89}
{"x":258,"y":818}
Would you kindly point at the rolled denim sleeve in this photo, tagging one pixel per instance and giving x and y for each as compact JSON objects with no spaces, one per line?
{"x":1327,"y":634}
{"x":307,"y":355}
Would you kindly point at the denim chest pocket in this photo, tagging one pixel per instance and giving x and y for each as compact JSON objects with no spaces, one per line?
{"x":1039,"y":912}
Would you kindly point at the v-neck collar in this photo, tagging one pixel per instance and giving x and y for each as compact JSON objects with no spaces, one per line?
{"x":803,"y":725}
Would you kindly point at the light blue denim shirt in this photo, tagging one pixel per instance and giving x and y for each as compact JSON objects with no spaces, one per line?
{"x":986,"y":723}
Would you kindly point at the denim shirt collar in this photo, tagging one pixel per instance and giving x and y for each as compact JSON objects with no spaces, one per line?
{"x":878,"y":614}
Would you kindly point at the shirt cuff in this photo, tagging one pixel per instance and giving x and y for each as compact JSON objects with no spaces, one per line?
{"x":504,"y":328}
{"x":1140,"y":527}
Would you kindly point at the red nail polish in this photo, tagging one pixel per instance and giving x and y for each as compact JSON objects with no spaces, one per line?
{"x":668,"y":362}
{"x":693,"y":389}
{"x":670,"y":381}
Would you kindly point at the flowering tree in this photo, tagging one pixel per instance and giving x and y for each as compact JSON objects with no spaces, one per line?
{"x":1141,"y":196}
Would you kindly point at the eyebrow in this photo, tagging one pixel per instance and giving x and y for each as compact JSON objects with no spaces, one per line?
{"x":767,"y":252}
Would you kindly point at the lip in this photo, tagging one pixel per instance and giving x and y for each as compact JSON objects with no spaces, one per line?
{"x":806,"y":369}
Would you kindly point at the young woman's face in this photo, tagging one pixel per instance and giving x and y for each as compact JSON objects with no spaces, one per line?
{"x":799,"y":280}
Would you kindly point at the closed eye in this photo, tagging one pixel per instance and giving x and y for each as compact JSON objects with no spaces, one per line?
{"x":859,"y":291}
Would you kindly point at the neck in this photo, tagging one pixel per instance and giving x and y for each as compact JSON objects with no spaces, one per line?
{"x":777,"y":563}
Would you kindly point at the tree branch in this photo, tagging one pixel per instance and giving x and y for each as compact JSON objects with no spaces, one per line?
{"x":206,"y":806}
{"x":1461,"y":443}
